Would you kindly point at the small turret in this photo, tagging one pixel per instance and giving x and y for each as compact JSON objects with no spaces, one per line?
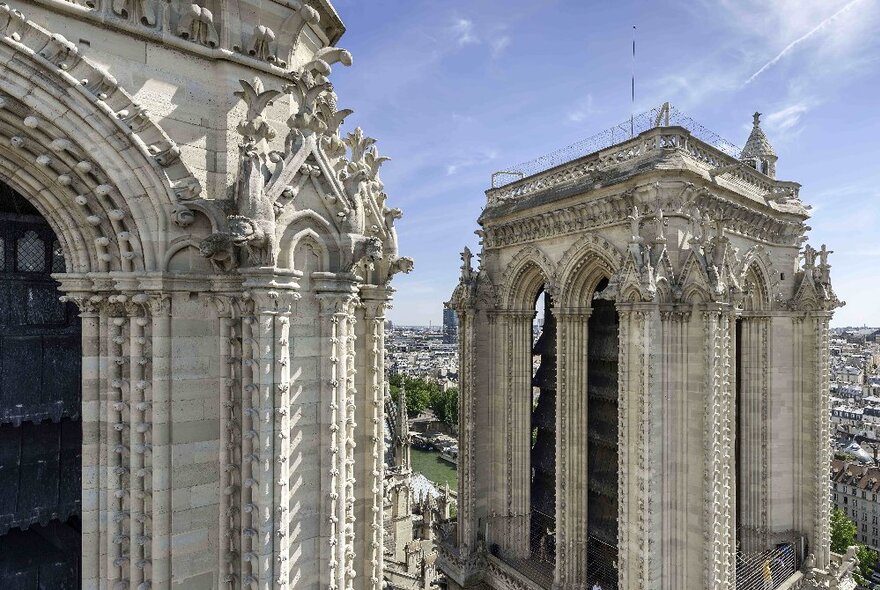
{"x":758,"y":152}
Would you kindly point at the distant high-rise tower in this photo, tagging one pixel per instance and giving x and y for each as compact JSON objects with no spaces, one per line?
{"x":450,"y":325}
{"x":669,"y":428}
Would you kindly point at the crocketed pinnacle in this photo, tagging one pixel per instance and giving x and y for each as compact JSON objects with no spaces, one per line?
{"x":757,"y":146}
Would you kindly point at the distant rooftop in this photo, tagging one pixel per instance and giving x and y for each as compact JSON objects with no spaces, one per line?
{"x":665,"y":115}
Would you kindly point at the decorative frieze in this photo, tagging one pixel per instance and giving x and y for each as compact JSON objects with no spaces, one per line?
{"x":612,"y":210}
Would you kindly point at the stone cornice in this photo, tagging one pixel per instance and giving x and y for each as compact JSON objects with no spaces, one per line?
{"x":613,"y":209}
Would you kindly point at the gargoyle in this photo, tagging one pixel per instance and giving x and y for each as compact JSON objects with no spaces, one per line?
{"x":364,"y":248}
{"x":403,"y":264}
{"x":256,"y":236}
{"x":218,"y":249}
{"x":253,"y":227}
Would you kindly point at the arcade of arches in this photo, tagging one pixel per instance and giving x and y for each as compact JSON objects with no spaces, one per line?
{"x":203,"y":406}
{"x":667,"y":425}
{"x":179,"y":172}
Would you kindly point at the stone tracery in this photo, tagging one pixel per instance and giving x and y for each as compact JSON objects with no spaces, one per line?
{"x":690,"y":264}
{"x":149,"y":254}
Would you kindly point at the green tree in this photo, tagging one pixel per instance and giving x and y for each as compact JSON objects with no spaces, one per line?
{"x":867,"y":560}
{"x":418,"y":392}
{"x":843,"y":531}
{"x":444,"y":404}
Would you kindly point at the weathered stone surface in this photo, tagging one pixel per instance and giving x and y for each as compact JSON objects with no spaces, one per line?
{"x":695,"y":441}
{"x":220,"y":235}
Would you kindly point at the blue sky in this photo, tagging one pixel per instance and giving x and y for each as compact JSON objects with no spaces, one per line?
{"x":455,"y":90}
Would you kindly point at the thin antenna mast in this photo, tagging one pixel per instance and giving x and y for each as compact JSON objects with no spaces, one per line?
{"x":632,"y":104}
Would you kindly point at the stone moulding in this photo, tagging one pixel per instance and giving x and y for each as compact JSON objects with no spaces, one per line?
{"x":155,"y":19}
{"x":77,"y":102}
{"x":612,"y":209}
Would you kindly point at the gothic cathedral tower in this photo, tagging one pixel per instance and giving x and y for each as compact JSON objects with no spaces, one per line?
{"x":644,"y":373}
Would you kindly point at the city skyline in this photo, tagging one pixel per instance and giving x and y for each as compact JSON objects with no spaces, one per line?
{"x":448,"y":91}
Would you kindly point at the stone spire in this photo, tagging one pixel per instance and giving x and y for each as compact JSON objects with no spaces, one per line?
{"x":401,"y":439}
{"x":758,"y":152}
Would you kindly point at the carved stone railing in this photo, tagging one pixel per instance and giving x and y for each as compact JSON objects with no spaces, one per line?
{"x":730,"y":170}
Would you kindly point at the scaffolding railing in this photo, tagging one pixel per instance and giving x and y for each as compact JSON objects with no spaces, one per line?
{"x":766,"y":570}
{"x":537,"y":559}
{"x":662,"y":116}
{"x":601,"y":564}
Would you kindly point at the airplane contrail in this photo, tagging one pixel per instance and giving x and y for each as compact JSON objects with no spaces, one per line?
{"x":801,"y":39}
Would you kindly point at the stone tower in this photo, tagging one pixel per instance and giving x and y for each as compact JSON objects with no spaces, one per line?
{"x":666,"y":425}
{"x":229,"y":247}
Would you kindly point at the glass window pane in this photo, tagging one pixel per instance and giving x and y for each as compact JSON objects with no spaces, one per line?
{"x":57,"y":257}
{"x":31,"y":253}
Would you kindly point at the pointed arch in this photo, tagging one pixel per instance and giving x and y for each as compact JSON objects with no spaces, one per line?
{"x":307,"y":225}
{"x":528,"y":272}
{"x":755,"y":279}
{"x":75,"y":145}
{"x":583,"y":266}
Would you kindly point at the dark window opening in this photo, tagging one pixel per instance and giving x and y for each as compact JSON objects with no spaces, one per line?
{"x":602,"y":441}
{"x":543,"y":450}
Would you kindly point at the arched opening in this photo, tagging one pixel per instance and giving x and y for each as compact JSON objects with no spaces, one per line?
{"x":543,"y":435}
{"x":602,"y":441}
{"x":40,"y":398}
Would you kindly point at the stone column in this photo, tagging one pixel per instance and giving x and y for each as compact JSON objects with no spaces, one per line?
{"x":140,"y":440}
{"x":638,"y":445}
{"x":93,"y":494}
{"x":270,"y":337}
{"x":571,"y":447}
{"x":370,"y":412}
{"x":336,"y":295}
{"x":160,"y":331}
{"x":499,"y":412}
{"x":118,"y":424}
{"x":719,"y":525}
{"x":517,"y":388}
{"x":229,"y":381}
{"x":466,"y":416}
{"x":822,"y":415}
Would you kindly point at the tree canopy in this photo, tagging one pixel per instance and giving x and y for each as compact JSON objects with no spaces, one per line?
{"x":843,"y":535}
{"x":843,"y":531}
{"x":422,"y":394}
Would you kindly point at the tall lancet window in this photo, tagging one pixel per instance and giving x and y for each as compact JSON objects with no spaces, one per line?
{"x":543,"y":444}
{"x":602,"y":442}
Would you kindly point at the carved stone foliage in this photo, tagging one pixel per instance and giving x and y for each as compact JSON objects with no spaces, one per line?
{"x":814,"y":291}
{"x":343,"y":171}
{"x":142,"y":11}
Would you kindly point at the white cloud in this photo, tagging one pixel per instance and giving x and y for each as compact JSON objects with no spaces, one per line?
{"x":582,"y":110}
{"x":463,"y":29}
{"x":791,"y":46}
{"x":787,"y":118}
{"x":475,"y":159}
{"x":499,"y":44}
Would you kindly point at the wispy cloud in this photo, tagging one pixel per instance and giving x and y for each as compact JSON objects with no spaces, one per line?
{"x":463,"y":29}
{"x":475,"y":159}
{"x":499,"y":44}
{"x":582,"y":110}
{"x":791,"y":46}
{"x":785,"y":119}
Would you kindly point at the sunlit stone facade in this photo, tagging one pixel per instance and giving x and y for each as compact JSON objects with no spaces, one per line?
{"x":230,"y":251}
{"x":668,"y":425}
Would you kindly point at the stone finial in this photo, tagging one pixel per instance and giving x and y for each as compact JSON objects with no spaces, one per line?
{"x":467,"y":269}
